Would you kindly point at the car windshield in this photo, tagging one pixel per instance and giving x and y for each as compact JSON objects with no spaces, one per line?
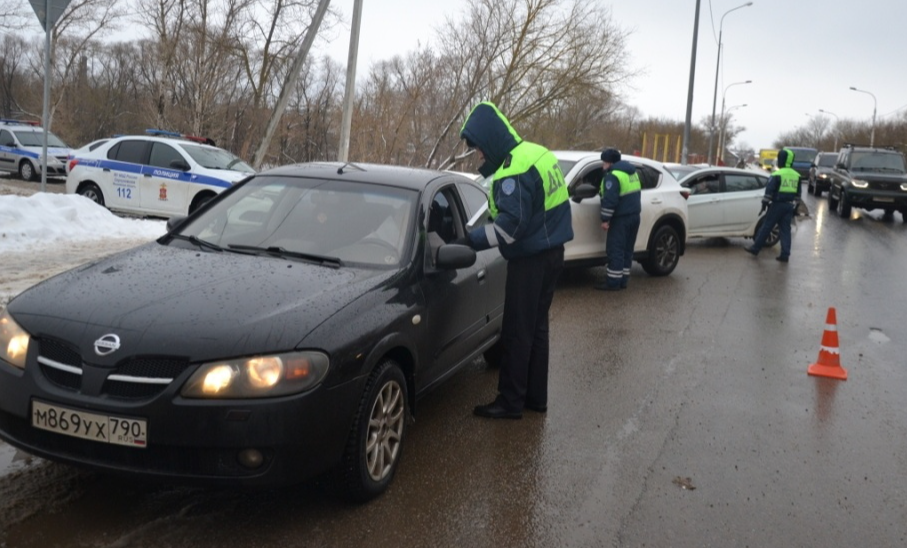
{"x":889,"y":162}
{"x":804,"y":154}
{"x":826,"y":160}
{"x":36,"y":139}
{"x":294,"y":217}
{"x":216,"y":158}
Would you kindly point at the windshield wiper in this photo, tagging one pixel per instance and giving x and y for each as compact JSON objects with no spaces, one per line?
{"x":199,"y":242}
{"x":333,"y":262}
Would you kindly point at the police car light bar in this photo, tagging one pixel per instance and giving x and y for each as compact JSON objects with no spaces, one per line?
{"x":19,"y":122}
{"x":162,"y":132}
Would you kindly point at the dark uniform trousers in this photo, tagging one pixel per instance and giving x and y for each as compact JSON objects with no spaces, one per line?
{"x":781,"y":214}
{"x":524,"y":335}
{"x":619,"y":247}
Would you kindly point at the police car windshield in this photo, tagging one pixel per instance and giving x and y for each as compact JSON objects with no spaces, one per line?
{"x":36,"y":139}
{"x":216,"y":158}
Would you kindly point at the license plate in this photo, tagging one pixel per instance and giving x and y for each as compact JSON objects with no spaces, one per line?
{"x":90,"y":426}
{"x":886,"y":200}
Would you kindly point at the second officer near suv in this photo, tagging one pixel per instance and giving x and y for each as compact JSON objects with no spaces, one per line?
{"x":782,"y":196}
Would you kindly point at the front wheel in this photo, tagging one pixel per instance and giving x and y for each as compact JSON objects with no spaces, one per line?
{"x":832,"y":200}
{"x":27,"y":171}
{"x":844,"y":207}
{"x":663,"y":252}
{"x":375,"y":443}
{"x":92,"y":192}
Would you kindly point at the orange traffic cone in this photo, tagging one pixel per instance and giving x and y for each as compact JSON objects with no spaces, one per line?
{"x":829,"y":363}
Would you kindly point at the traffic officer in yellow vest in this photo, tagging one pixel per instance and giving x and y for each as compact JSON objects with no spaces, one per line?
{"x":620,"y":208}
{"x":782,"y":196}
{"x":528,"y":203}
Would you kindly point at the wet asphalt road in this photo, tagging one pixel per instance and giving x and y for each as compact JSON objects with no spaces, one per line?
{"x":680,"y":414}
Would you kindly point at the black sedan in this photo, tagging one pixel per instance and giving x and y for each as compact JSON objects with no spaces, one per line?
{"x":822,"y":173}
{"x":284,"y":330}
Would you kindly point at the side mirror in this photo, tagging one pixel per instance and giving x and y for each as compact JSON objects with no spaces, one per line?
{"x":839,"y":166}
{"x":584,"y":191}
{"x":455,"y":256}
{"x":11,"y":144}
{"x":174,"y":222}
{"x":180,"y":165}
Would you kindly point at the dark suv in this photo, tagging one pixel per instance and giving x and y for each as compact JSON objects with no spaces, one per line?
{"x":869,"y":178}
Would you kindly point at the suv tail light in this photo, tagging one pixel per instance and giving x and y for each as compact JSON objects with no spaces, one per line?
{"x":72,"y":164}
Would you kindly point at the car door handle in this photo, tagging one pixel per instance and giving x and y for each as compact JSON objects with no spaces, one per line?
{"x":107,"y":169}
{"x":656,"y":200}
{"x":481,"y":275}
{"x":147,"y":175}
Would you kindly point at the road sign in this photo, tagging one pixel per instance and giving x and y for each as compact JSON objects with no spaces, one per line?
{"x":56,"y":8}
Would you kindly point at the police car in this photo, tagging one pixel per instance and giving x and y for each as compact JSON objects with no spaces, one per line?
{"x":162,"y":174}
{"x":21,"y":146}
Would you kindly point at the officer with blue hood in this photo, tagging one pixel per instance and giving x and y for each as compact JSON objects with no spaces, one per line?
{"x":620,"y":208}
{"x":530,"y":213}
{"x":782,"y":196}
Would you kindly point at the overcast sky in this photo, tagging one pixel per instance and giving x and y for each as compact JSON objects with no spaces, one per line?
{"x":801,"y":55}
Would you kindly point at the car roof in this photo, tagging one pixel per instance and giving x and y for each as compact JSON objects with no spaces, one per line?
{"x":720,"y":169}
{"x":398,"y":176}
{"x":168,"y":140}
{"x":578,"y":155}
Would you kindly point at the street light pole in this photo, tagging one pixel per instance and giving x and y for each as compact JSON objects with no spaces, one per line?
{"x":719,"y":154}
{"x":872,"y":136}
{"x":837,"y":122}
{"x":725,"y":118}
{"x":689,"y":119}
{"x":717,"y":67}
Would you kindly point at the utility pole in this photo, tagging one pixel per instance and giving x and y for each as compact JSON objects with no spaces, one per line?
{"x":349,"y":94}
{"x":685,"y":154}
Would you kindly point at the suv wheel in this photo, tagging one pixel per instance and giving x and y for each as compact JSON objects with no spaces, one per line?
{"x":27,"y":171}
{"x":816,"y":190}
{"x":376,"y":441}
{"x":832,"y":199}
{"x":844,"y":206}
{"x":663,"y":252}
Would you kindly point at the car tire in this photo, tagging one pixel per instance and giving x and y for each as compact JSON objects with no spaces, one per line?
{"x":663,"y":252}
{"x":27,"y":171}
{"x":773,"y":237}
{"x":375,"y":444}
{"x":92,"y":192}
{"x":199,"y":201}
{"x":816,"y":190}
{"x":494,"y":354}
{"x":832,"y":200}
{"x":844,"y":207}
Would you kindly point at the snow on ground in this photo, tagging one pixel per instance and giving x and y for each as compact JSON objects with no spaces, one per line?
{"x":44,"y":233}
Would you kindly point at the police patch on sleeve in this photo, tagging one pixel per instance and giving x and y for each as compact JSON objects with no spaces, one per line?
{"x":608,"y":185}
{"x":508,"y":186}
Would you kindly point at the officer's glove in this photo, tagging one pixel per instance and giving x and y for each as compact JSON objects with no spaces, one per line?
{"x":765,"y":202}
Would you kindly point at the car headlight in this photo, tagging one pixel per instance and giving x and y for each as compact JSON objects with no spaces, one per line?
{"x":259,"y":376}
{"x":13,"y":341}
{"x":904,"y":186}
{"x":823,"y":176}
{"x":859,"y":183}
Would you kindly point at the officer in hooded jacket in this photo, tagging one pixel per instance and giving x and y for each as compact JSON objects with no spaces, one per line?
{"x":782,"y":196}
{"x":530,"y":213}
{"x":620,"y":209}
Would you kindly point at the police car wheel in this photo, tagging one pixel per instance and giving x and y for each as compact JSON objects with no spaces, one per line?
{"x":93,"y":193}
{"x":27,"y":171}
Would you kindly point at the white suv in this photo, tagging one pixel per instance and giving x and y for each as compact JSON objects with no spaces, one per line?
{"x":163,"y":174}
{"x":21,"y":145}
{"x":663,"y":226}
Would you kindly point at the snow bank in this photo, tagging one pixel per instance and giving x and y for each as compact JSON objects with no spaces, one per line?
{"x":52,"y":219}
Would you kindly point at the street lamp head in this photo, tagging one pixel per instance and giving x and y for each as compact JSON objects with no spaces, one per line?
{"x":853,"y":88}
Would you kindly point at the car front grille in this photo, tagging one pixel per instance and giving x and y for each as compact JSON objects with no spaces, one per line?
{"x":134,"y":378}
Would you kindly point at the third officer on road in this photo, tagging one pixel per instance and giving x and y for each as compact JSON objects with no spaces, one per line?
{"x":782,"y":196}
{"x":621,"y":205}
